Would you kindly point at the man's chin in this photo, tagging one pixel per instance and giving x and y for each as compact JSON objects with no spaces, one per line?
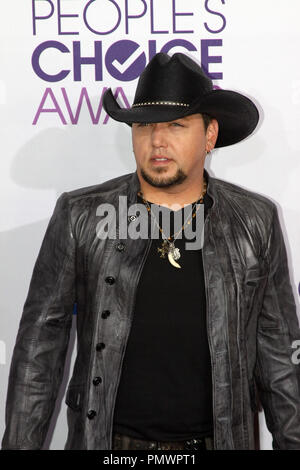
{"x":164,"y":181}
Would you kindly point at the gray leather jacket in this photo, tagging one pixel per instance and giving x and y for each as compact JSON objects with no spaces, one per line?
{"x":251,"y":321}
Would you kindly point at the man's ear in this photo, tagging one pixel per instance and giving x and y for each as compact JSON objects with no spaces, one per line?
{"x":212,"y":134}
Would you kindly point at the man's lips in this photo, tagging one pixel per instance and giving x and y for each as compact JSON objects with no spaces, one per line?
{"x":160,"y":159}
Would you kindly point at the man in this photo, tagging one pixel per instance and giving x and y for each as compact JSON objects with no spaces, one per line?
{"x":175,"y":345}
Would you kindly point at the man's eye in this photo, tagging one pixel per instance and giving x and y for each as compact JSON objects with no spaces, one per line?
{"x":176,"y":124}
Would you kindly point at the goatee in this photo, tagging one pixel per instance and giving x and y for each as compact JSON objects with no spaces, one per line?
{"x":164,"y":182}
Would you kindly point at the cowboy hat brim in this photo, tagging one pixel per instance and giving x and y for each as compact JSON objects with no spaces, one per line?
{"x":236,"y":114}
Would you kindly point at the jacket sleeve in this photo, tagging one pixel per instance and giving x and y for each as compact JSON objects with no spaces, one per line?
{"x":277,"y":373}
{"x":39,"y":354}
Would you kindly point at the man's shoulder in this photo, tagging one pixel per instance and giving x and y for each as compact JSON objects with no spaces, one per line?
{"x":106,"y":188}
{"x":240,"y":204}
{"x":235,"y":193}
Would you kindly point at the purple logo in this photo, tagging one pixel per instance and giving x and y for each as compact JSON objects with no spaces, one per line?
{"x":125,"y":61}
{"x":176,"y":28}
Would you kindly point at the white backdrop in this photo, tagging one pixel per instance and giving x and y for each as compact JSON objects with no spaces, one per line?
{"x":50,"y":144}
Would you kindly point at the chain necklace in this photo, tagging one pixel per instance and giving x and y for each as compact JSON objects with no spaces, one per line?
{"x":168,"y":247}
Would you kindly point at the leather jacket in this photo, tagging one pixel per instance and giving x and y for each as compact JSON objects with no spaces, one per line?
{"x":251,"y":320}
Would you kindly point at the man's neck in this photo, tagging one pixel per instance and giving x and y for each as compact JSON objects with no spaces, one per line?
{"x":178,"y":195}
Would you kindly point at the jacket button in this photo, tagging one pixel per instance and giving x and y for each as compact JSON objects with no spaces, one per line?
{"x":91,"y":414}
{"x":110,"y":280}
{"x":120,"y":246}
{"x":97,"y":380}
{"x":100,"y":346}
{"x":105,"y":313}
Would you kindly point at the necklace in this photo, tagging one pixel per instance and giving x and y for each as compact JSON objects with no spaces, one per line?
{"x":168,"y":247}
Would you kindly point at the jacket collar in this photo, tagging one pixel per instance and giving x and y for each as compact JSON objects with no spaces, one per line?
{"x":134,"y":186}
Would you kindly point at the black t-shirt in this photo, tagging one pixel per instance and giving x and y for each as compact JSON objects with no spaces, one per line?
{"x":165,"y":389}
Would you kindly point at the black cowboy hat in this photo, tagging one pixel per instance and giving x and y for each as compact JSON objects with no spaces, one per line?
{"x":170,"y":88}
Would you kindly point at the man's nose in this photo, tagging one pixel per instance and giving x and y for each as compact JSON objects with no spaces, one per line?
{"x":159,"y":138}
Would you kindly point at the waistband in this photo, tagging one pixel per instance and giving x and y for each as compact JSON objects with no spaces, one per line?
{"x":123,"y":442}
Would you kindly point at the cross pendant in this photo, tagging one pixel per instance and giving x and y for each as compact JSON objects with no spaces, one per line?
{"x":164,"y":250}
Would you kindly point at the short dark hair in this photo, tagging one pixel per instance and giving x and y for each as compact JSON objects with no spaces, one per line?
{"x":206,"y":120}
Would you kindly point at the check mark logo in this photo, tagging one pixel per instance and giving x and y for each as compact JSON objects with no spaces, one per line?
{"x":127,"y":63}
